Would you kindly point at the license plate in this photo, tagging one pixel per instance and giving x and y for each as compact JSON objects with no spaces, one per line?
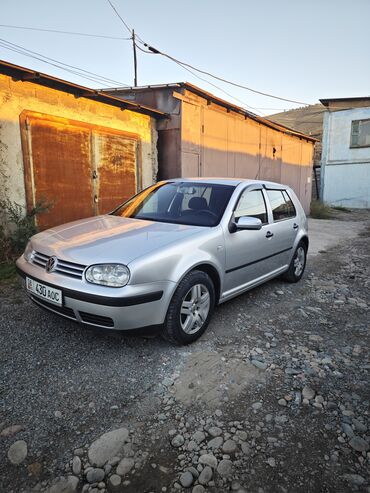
{"x":43,"y":291}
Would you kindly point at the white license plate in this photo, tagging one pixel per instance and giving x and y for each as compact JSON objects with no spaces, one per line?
{"x":43,"y":291}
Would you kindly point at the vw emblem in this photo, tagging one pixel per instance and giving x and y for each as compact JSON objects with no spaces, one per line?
{"x":51,"y":264}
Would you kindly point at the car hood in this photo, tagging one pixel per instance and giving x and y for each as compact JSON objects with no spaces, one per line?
{"x":105,"y":239}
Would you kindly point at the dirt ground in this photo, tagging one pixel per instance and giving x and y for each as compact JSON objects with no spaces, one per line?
{"x":275,"y":397}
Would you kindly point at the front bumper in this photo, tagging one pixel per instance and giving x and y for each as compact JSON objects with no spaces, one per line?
{"x":127,"y":308}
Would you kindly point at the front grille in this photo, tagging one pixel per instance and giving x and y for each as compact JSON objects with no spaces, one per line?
{"x":90,"y":318}
{"x":63,"y":267}
{"x":62,"y":310}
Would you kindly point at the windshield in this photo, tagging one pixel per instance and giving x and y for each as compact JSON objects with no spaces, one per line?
{"x":196,"y":204}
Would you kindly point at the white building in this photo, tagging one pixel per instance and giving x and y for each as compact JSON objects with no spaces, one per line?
{"x":345,"y":163}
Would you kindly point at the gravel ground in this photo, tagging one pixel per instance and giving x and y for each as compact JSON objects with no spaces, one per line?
{"x":275,"y":397}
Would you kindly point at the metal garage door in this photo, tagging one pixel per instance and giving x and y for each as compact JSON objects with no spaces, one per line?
{"x":81,"y":170}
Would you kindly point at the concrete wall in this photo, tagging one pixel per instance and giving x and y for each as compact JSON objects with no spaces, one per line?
{"x":345,"y":171}
{"x":16,"y":97}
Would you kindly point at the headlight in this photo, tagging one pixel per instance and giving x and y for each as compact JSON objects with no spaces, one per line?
{"x":114,"y":275}
{"x":28,"y":253}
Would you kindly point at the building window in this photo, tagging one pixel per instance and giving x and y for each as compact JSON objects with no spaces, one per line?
{"x":360,"y":133}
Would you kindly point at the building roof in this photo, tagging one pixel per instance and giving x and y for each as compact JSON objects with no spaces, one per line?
{"x":326,"y":102}
{"x":212,"y":98}
{"x":19,"y":73}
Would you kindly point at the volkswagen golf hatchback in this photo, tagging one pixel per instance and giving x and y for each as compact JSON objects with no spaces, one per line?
{"x":166,"y":257}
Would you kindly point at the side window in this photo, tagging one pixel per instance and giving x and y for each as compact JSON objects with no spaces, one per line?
{"x":281,"y":205}
{"x":251,"y":203}
{"x":291,"y":209}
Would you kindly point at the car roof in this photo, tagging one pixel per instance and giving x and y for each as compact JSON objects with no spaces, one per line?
{"x":228,"y":181}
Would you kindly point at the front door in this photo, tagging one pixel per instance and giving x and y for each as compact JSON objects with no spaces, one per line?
{"x":249,"y":253}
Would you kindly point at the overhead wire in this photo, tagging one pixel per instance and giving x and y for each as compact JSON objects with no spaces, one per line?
{"x":92,"y":76}
{"x":184,"y":64}
{"x":120,"y":17}
{"x":75,"y":33}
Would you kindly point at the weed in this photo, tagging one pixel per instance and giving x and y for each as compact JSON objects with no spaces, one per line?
{"x":320,"y":210}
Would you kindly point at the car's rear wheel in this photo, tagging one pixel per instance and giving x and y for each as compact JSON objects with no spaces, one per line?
{"x":297,"y":264}
{"x":190,"y":309}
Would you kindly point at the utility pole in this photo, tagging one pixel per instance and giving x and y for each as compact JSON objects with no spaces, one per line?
{"x":135,"y":60}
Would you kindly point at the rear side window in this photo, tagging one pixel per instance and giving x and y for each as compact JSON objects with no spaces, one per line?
{"x":281,"y":205}
{"x":251,"y":203}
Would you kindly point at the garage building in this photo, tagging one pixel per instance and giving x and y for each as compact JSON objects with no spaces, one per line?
{"x":207,"y":136}
{"x":77,"y":149}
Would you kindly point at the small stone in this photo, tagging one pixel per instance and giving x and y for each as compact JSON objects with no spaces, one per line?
{"x":64,"y":485}
{"x":95,"y":475}
{"x":348,"y":430}
{"x":205,"y":476}
{"x":282,"y":402}
{"x":359,"y":444}
{"x":192,"y":445}
{"x":177,"y":441}
{"x":76,"y":465}
{"x":215,"y":443}
{"x":199,"y":436}
{"x":354,"y":479}
{"x":225,"y":468}
{"x":11,"y":430}
{"x":125,"y":466}
{"x":218,"y":413}
{"x":361,"y":427}
{"x":271,"y":462}
{"x":215,"y":431}
{"x":208,"y":460}
{"x":198,"y":489}
{"x":186,"y":479}
{"x":308,"y":393}
{"x":257,"y":405}
{"x":58,"y":414}
{"x":261,"y":365}
{"x":115,"y":480}
{"x":17,"y":452}
{"x":107,"y":446}
{"x":229,"y":447}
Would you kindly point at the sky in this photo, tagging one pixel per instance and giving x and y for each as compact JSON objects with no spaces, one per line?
{"x":301,"y":50}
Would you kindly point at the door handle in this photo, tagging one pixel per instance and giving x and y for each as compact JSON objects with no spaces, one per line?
{"x":269,"y":234}
{"x":295,"y":226}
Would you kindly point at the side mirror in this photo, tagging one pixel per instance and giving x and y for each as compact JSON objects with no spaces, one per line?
{"x":247,"y":222}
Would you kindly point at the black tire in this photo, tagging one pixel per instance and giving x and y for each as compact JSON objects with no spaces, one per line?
{"x":291,"y":275}
{"x":173,"y":330}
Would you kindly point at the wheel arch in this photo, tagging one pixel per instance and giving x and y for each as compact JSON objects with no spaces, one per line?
{"x":212,"y":272}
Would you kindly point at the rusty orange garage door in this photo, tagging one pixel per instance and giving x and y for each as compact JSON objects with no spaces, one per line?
{"x":80,"y":169}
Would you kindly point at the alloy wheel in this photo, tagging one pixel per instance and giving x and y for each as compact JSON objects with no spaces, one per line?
{"x":195,"y":308}
{"x":299,"y":261}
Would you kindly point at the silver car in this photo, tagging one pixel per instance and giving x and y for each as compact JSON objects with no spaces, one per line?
{"x":166,"y":257}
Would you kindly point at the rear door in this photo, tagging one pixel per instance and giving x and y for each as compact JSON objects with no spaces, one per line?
{"x":283,"y":227}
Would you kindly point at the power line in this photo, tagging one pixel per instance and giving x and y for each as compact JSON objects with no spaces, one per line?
{"x":64,"y":32}
{"x":158,"y":52}
{"x":56,"y":63}
{"x":119,"y":16}
{"x":179,"y":62}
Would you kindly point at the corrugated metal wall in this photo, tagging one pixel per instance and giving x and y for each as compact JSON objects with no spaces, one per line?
{"x":215,"y":142}
{"x":80,"y":170}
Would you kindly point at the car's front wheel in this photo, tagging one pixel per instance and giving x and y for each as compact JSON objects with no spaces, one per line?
{"x":190,"y":309}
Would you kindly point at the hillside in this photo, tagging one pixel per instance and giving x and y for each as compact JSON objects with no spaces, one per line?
{"x":307,"y":120}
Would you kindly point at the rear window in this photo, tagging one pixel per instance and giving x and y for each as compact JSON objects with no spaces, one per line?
{"x":281,"y":205}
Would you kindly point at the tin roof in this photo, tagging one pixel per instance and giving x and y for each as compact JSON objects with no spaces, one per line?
{"x":325,"y":102}
{"x":215,"y":99}
{"x":25,"y":74}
